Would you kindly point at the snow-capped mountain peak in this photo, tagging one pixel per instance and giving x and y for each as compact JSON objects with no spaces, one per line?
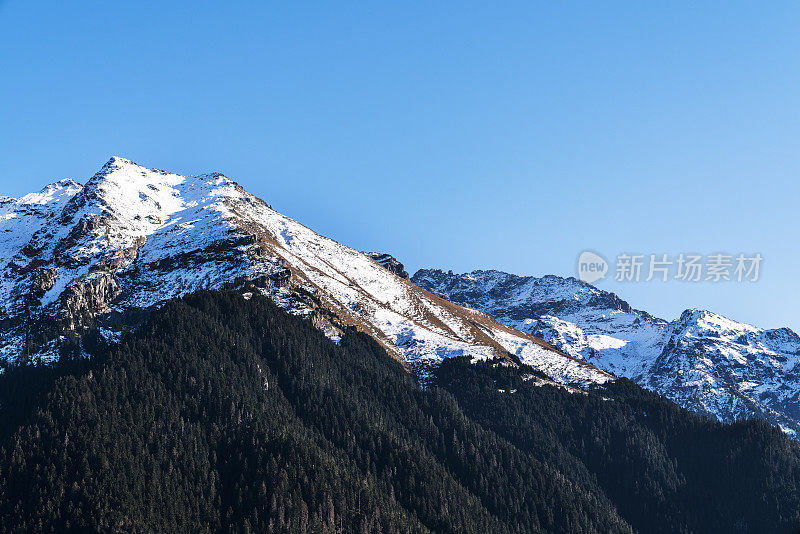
{"x":47,"y":195}
{"x":101,"y":254}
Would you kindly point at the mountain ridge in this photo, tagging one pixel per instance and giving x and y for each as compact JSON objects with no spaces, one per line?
{"x":701,"y":360}
{"x":93,"y":256}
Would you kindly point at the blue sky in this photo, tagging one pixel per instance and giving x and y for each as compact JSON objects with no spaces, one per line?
{"x":458,"y":135}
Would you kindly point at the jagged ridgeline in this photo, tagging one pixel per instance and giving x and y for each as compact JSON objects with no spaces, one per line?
{"x":101,"y":255}
{"x":703,"y":361}
{"x":225,"y":413}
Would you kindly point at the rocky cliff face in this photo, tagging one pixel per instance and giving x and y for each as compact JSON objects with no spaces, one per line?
{"x":98,"y":256}
{"x":701,"y":360}
{"x":389,"y":263}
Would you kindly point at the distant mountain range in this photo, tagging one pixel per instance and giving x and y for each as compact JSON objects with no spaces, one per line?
{"x":701,"y":360}
{"x":99,"y":257}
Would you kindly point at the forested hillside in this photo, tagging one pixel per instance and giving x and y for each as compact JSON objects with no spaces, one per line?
{"x":227,"y":414}
{"x":665,"y":468}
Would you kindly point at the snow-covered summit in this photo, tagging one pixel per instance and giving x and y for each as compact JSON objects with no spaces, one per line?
{"x":99,"y":255}
{"x":701,"y":360}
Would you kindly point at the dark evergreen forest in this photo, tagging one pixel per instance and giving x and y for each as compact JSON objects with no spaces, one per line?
{"x":228,"y":415}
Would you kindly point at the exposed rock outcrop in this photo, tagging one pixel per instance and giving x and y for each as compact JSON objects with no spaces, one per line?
{"x":87,"y":297}
{"x":390,"y":263}
{"x":43,"y":282}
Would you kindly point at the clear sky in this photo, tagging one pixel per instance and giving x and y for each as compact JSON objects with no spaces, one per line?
{"x":459,"y":135}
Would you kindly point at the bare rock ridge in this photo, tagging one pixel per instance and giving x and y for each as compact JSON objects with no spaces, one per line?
{"x":390,"y":263}
{"x":79,"y":258}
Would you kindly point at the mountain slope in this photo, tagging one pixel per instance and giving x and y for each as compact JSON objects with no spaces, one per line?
{"x":223,"y":413}
{"x":226,"y":414}
{"x":701,"y":360}
{"x":103,"y":254}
